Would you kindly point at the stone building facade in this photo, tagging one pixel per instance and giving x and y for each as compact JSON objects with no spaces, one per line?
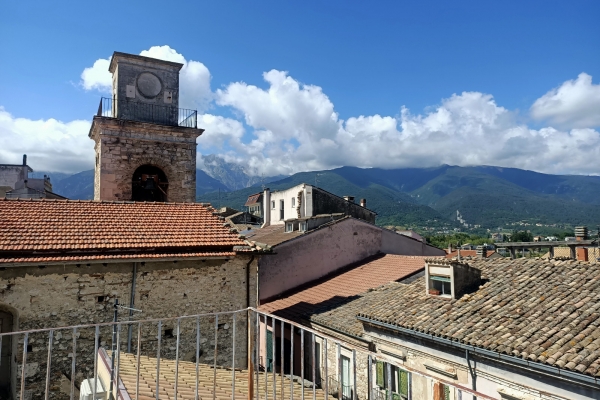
{"x":122,"y":147}
{"x":67,"y":263}
{"x":145,"y":145}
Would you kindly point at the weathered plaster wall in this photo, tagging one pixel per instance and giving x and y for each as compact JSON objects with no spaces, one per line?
{"x":395,"y":243}
{"x":328,"y":249}
{"x":11,"y":174}
{"x":123,"y":146}
{"x":69,"y":295}
{"x":319,"y":253}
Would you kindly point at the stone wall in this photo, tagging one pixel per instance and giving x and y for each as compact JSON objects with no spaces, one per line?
{"x":328,"y":203}
{"x":70,"y":295}
{"x":123,"y":146}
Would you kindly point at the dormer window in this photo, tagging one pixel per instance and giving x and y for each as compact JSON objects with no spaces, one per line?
{"x":450,"y":278}
{"x":303,"y":226}
{"x":289,"y":227}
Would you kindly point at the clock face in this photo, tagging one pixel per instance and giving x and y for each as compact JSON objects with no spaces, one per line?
{"x":148,"y":84}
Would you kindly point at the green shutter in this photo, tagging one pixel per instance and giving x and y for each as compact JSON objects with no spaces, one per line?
{"x":269,"y":363}
{"x":446,"y":392}
{"x":380,"y":377}
{"x":403,"y":383}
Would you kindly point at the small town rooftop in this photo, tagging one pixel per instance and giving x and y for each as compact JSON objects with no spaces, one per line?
{"x":541,"y":311}
{"x":63,"y":230}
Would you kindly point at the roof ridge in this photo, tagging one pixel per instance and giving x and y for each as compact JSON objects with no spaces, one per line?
{"x":206,"y":205}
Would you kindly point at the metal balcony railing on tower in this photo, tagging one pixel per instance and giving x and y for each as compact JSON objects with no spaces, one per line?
{"x":147,"y":112}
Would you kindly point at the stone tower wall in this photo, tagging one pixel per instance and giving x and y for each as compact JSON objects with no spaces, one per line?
{"x":123,"y":146}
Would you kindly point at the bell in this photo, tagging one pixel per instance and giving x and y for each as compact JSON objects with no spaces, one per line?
{"x":150,"y":183}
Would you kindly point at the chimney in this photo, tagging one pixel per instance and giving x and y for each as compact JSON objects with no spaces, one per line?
{"x":349,"y":199}
{"x":449,"y":248}
{"x":363,"y":203}
{"x":266,"y":208}
{"x":581,"y":233}
{"x":481,"y":251}
{"x":24,"y":159}
{"x":582,"y":254}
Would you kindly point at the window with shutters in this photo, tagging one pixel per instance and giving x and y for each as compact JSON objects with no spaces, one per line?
{"x":398,"y":384}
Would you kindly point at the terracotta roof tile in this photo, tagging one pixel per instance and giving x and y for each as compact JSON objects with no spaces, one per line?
{"x":539,"y":310}
{"x":345,"y":285}
{"x":34,"y":228}
{"x":186,"y":382}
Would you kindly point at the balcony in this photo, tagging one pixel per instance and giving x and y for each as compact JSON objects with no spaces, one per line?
{"x":146,"y":112}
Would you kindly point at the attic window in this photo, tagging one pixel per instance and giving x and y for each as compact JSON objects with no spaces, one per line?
{"x":440,"y":285}
{"x":303,"y":226}
{"x":289,"y":227}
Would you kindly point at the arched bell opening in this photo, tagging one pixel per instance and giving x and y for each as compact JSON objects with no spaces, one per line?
{"x":149,"y":183}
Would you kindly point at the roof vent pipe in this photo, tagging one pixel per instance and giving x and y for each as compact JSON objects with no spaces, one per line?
{"x":24,"y":159}
{"x":363,"y":203}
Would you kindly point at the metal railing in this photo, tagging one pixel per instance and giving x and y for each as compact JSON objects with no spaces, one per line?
{"x":204,"y":356}
{"x":147,"y":112}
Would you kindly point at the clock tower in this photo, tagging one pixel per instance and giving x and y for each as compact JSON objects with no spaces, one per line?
{"x":145,"y":144}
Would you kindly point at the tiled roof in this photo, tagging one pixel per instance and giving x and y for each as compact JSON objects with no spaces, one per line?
{"x":186,"y":381}
{"x":343,"y":286}
{"x":50,"y":229}
{"x":565,"y":252}
{"x":538,"y":310}
{"x":253,"y":199}
{"x":468,"y":253}
{"x":273,"y":235}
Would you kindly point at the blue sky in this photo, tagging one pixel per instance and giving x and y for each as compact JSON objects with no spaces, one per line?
{"x":366,"y":59}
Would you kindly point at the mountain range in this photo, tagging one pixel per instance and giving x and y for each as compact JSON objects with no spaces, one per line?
{"x":484,"y":196}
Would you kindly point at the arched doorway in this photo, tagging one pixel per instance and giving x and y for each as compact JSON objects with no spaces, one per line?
{"x":6,"y":325}
{"x":149,"y":183}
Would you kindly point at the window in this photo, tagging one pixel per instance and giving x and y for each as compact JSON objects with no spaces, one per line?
{"x":289,"y":227}
{"x":440,"y":285}
{"x":346,"y":388}
{"x":273,"y":205}
{"x":441,"y":391}
{"x":293,"y":202}
{"x":303,"y":226}
{"x":399,"y":380}
{"x":281,"y":206}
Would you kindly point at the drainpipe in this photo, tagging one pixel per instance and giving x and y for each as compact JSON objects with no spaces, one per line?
{"x":266,"y":208}
{"x":131,"y":306}
{"x":472,"y":372}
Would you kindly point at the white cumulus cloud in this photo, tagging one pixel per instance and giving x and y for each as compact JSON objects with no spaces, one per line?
{"x":50,"y":145}
{"x":575,"y":104}
{"x":288,"y":126}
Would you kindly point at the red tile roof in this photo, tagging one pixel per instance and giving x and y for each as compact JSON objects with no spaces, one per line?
{"x":370,"y":273}
{"x":57,"y":230}
{"x":252,"y":199}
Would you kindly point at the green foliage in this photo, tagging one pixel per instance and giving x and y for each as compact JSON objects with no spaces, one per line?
{"x":521,"y":236}
{"x":442,"y":241}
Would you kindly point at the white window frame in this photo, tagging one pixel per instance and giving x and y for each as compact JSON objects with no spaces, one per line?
{"x":272,"y":204}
